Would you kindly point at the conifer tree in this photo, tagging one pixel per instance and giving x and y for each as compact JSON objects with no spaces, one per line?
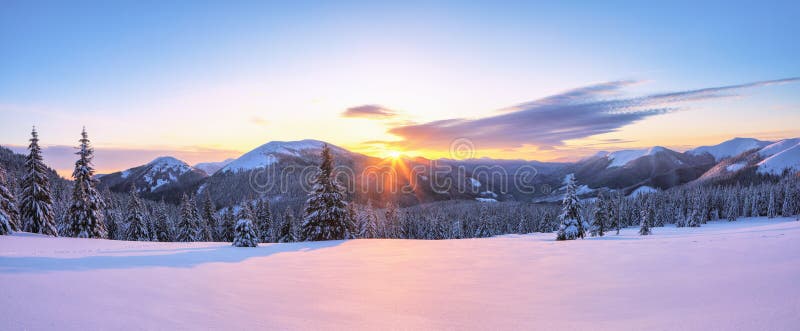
{"x":571,"y":227}
{"x":771,"y":212}
{"x":137,"y":228}
{"x":482,"y":231}
{"x":352,"y":228}
{"x":287,"y":230}
{"x":208,"y":220}
{"x":36,"y":208}
{"x":368,"y":222}
{"x":264,"y":221}
{"x":85,"y":216}
{"x":791,"y":199}
{"x":646,"y":218}
{"x":245,"y":234}
{"x":599,"y":221}
{"x":9,"y":216}
{"x":186,"y":231}
{"x":8,"y":202}
{"x":326,"y":212}
{"x":163,"y":228}
{"x":732,"y":208}
{"x":227,"y":225}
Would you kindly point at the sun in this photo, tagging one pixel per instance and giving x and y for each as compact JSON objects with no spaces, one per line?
{"x":394,"y":154}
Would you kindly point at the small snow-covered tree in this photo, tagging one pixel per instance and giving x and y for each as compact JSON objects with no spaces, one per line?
{"x":137,"y":226}
{"x":186,"y":227}
{"x":163,"y":227}
{"x":287,"y":230}
{"x":8,"y":202}
{"x":368,"y":222}
{"x":208,"y":220}
{"x":732,"y":207}
{"x":85,"y":216}
{"x":791,"y":201}
{"x":482,"y":231}
{"x":571,"y":226}
{"x":326,"y":211}
{"x":392,"y":225}
{"x":36,"y":208}
{"x":245,"y":234}
{"x":771,"y":210}
{"x":352,"y":228}
{"x":227,"y":225}
{"x":646,"y":221}
{"x":600,"y":218}
{"x":264,"y":220}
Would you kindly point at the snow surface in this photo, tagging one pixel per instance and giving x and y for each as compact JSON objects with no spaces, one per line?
{"x":265,"y":155}
{"x":486,"y":199}
{"x":735,"y":167}
{"x":739,"y":275}
{"x":474,"y":182}
{"x":775,"y":164}
{"x":730,"y":148}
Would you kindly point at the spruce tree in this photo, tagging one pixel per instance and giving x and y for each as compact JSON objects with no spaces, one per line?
{"x":8,"y":202}
{"x":645,"y":223}
{"x":732,"y":207}
{"x":227,"y":225}
{"x":208,"y":220}
{"x":368,"y":222}
{"x":599,"y":221}
{"x":163,"y":227}
{"x":771,"y":210}
{"x":36,"y":208}
{"x":245,"y":234}
{"x":571,"y":226}
{"x":137,"y":226}
{"x":185,"y":228}
{"x":482,"y":231}
{"x":85,"y":216}
{"x":352,"y":228}
{"x":264,"y":221}
{"x":287,"y":230}
{"x":326,"y":212}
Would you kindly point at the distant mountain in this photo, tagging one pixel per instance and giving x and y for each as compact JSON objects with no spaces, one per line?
{"x":211,"y":167}
{"x":273,"y":151}
{"x":730,"y":148}
{"x":748,"y":166}
{"x":165,"y":177}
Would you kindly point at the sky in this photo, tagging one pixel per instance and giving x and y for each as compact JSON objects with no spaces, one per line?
{"x":210,"y":80}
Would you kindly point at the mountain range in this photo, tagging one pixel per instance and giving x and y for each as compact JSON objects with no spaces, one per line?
{"x":280,"y":170}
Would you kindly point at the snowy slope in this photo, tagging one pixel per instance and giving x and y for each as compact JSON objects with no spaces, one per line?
{"x":211,"y":167}
{"x":778,"y":147}
{"x":723,"y":276}
{"x":730,"y":148}
{"x":268,"y":154}
{"x":775,"y":164}
{"x":623,"y":157}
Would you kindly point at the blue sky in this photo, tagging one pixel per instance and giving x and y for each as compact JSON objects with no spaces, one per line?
{"x":209,"y":80}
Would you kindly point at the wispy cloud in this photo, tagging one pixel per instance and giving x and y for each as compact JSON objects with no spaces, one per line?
{"x":370,"y":111}
{"x":548,"y":122}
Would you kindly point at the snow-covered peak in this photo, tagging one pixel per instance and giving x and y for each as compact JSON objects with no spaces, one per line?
{"x":266,"y":154}
{"x":168,"y":163}
{"x":730,"y":148}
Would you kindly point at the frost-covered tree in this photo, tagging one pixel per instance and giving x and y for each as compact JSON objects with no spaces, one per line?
{"x":368,"y":222}
{"x":732,"y":207}
{"x":36,"y":208}
{"x":186,"y":227}
{"x":482,"y":231}
{"x":8,"y":202}
{"x":392,"y":217}
{"x":646,"y":221}
{"x":571,"y":226}
{"x":352,"y":228}
{"x":326,"y":211}
{"x":85,"y":215}
{"x":263,"y":216}
{"x":600,"y":218}
{"x":227,"y":225}
{"x":163,"y":227}
{"x":9,"y":216}
{"x":771,"y":210}
{"x":791,"y":201}
{"x":208,"y":220}
{"x":137,"y":226}
{"x":245,"y":234}
{"x":287,"y":230}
